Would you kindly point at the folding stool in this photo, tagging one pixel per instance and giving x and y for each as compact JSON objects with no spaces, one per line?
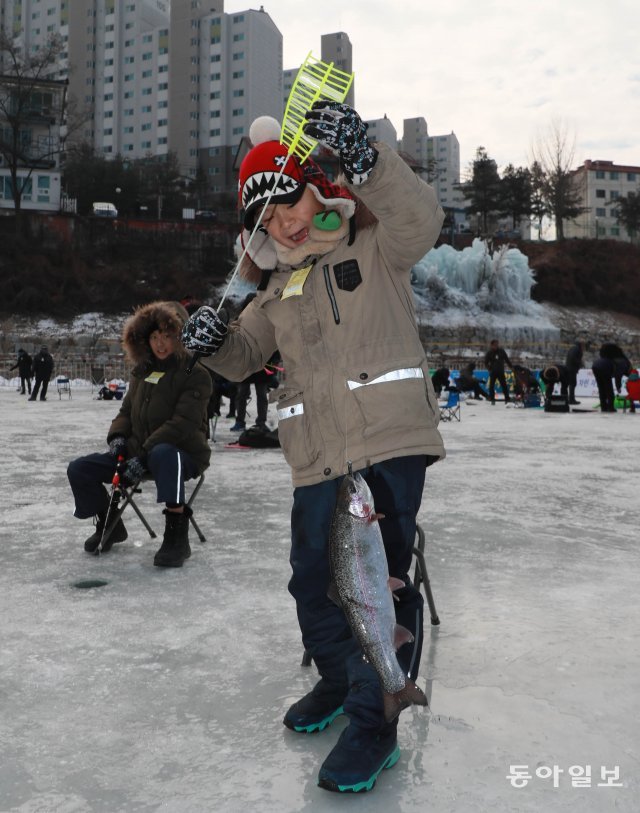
{"x":129,"y":494}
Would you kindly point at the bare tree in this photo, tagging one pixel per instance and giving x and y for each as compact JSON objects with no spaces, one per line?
{"x":32,"y":111}
{"x":554,"y":152}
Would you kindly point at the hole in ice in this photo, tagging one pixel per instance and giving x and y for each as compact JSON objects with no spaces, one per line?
{"x":87,"y":584}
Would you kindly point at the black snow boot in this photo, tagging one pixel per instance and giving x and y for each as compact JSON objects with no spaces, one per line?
{"x":118,"y":534}
{"x":175,"y":543}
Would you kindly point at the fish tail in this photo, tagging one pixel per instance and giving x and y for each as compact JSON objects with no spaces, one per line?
{"x":411,"y":695}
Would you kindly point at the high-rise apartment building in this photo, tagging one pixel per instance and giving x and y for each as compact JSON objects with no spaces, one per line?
{"x":226,"y":69}
{"x":337,"y":48}
{"x":444,"y":155}
{"x":154,"y":76}
{"x":382,"y":130}
{"x":414,"y":143}
{"x":334,"y":48}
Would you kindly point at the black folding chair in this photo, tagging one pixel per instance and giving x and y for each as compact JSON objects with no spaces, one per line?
{"x":131,"y":492}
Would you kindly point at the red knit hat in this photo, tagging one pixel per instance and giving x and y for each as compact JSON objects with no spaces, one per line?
{"x":262,"y":165}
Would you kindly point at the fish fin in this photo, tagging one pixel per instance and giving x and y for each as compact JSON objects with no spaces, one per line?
{"x":401,"y":635}
{"x":333,"y":594}
{"x":376,"y":517}
{"x":395,"y":584}
{"x":411,"y":695}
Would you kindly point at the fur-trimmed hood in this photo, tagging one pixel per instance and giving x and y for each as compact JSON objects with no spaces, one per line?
{"x":169,"y":316}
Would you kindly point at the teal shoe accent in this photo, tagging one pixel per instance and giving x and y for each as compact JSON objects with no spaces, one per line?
{"x":389,"y":762}
{"x":358,"y":758}
{"x":320,"y":725}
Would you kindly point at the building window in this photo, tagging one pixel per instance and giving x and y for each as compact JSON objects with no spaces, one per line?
{"x":214,"y":133}
{"x":215,"y":114}
{"x":615,"y":194}
{"x":601,"y":211}
{"x":238,"y":93}
{"x":600,"y":193}
{"x":631,"y":176}
{"x":614,"y":176}
{"x":44,"y":182}
{"x":599,"y":174}
{"x":238,"y":55}
{"x":238,"y":130}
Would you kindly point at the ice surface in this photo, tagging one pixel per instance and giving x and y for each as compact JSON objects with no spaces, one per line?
{"x":165,"y":690}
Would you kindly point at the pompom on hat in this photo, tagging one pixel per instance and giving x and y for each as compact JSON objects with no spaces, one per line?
{"x":261,"y":168}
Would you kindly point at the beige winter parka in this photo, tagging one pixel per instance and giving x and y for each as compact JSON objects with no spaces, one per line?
{"x":163,"y":403}
{"x":357,"y":384}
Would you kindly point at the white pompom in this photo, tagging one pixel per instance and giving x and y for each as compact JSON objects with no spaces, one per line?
{"x":264,"y":128}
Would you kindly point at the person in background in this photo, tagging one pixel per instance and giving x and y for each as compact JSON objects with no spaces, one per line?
{"x":440,"y":380}
{"x":333,"y":265}
{"x":467,"y":382}
{"x":161,"y":430}
{"x":495,"y":359}
{"x":610,"y":365}
{"x":573,"y":363}
{"x":555,"y":374}
{"x":23,"y":364}
{"x":42,"y":371}
{"x":633,"y":389}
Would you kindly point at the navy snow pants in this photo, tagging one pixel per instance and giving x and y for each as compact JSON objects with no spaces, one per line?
{"x":168,"y":466}
{"x":396,"y":486}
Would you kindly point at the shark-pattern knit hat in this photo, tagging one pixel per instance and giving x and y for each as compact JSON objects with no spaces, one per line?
{"x":262,"y":165}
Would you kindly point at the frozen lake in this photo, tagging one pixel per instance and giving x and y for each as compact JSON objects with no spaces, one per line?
{"x":165,"y":689}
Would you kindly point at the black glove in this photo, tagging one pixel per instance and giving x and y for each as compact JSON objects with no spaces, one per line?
{"x":341,"y":129}
{"x":117,"y":446}
{"x":134,"y":470}
{"x":204,"y":332}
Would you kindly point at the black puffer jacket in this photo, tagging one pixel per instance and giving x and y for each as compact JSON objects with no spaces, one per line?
{"x":164,"y":404}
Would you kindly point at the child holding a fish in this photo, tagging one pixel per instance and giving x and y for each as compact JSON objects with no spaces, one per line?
{"x":357,"y":413}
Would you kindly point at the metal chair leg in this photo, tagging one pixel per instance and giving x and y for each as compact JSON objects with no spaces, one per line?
{"x":421,"y":576}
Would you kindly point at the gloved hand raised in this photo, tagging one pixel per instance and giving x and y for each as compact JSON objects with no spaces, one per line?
{"x":341,"y":129}
{"x":134,"y":470}
{"x":117,"y":446}
{"x":204,"y":332}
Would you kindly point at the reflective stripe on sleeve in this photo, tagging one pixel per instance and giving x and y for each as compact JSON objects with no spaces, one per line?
{"x":290,"y":411}
{"x":394,"y":375}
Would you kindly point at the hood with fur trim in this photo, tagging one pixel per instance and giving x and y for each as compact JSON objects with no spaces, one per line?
{"x":169,"y":316}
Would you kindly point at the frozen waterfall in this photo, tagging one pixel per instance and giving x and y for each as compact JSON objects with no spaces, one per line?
{"x":476,"y":292}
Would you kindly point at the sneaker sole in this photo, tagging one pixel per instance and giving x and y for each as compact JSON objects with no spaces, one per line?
{"x":358,"y":787}
{"x":313,"y":727}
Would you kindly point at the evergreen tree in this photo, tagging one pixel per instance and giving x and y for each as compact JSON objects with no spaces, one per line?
{"x":516,"y":194}
{"x":483,"y":190}
{"x":627,"y":211}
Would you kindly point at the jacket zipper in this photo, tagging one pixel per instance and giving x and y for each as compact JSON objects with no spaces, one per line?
{"x":332,"y":297}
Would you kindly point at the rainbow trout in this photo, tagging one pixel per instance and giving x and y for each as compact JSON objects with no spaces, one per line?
{"x":362,"y":587}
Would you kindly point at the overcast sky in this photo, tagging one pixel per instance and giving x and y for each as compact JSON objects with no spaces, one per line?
{"x":496,"y":73}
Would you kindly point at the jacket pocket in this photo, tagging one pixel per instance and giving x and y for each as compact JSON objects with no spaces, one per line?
{"x":295,"y":433}
{"x":392,"y":400}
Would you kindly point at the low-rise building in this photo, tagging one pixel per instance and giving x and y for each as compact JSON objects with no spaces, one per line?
{"x":31,"y":127}
{"x":601,"y":183}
